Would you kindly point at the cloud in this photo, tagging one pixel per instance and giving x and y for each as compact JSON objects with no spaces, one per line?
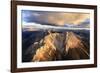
{"x":67,"y":18}
{"x":54,"y":18}
{"x":35,"y":27}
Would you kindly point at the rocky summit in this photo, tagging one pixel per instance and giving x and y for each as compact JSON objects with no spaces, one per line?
{"x":61,"y":46}
{"x":55,"y":46}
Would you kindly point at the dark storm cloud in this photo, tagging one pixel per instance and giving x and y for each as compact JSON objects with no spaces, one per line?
{"x":56,"y":18}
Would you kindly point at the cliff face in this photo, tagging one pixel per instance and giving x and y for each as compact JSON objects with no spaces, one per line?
{"x":52,"y":48}
{"x":61,"y":46}
{"x":75,"y":47}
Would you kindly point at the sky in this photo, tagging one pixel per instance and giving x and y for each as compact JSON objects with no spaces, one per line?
{"x":59,"y":19}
